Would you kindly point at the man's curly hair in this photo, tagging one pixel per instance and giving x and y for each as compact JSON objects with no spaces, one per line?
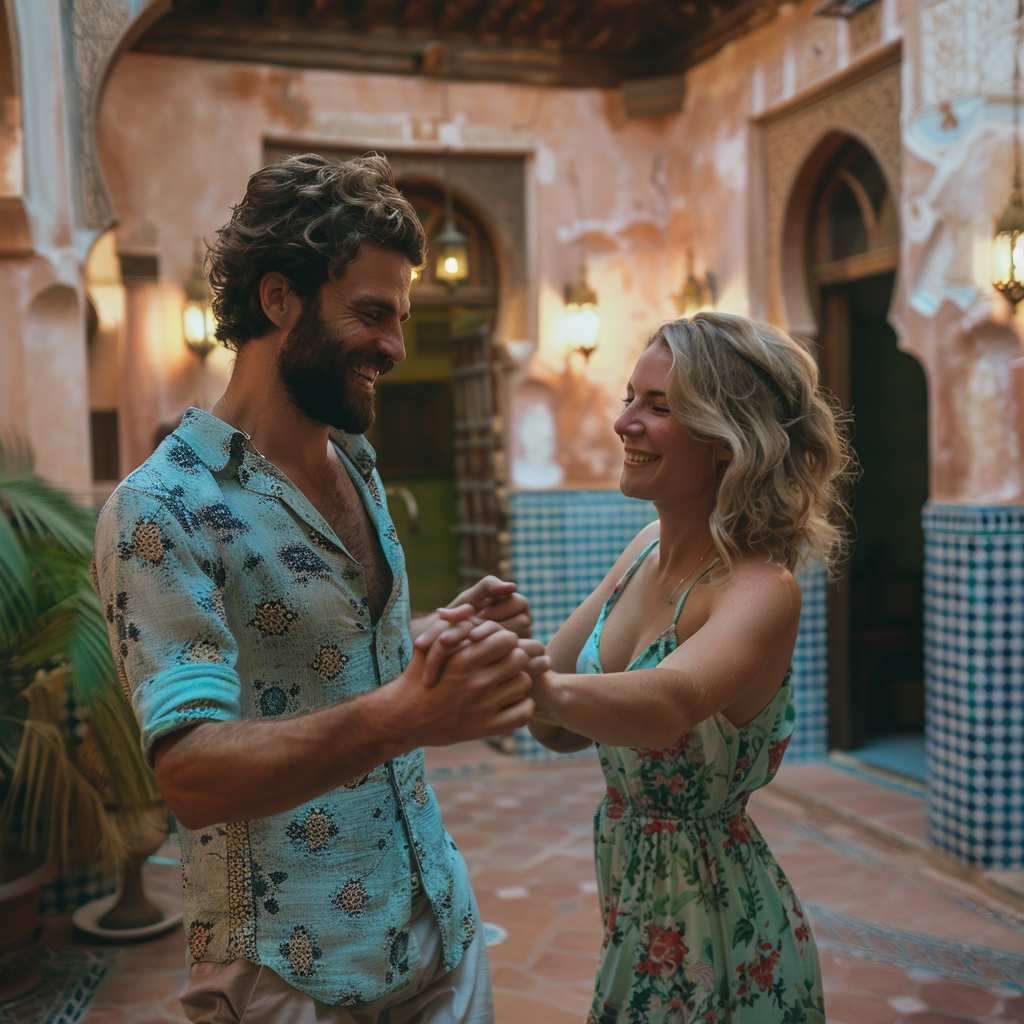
{"x":305,"y":217}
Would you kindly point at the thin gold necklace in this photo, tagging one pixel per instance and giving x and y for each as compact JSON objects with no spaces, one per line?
{"x":242,"y":430}
{"x":689,"y":574}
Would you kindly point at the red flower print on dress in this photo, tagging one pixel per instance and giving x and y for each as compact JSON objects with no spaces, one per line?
{"x":762,"y":969}
{"x":738,"y":831}
{"x":656,"y":826}
{"x":616,"y":805}
{"x":775,"y":755}
{"x":650,"y":753}
{"x":802,"y":933}
{"x":665,"y":952}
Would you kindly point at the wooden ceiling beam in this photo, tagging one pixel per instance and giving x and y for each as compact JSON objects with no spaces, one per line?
{"x":346,"y":50}
{"x":573,"y":43}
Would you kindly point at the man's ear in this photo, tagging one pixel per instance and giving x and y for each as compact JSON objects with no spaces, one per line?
{"x":280,"y":303}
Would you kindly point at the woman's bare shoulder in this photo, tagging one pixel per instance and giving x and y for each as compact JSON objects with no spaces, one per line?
{"x":767,"y":584}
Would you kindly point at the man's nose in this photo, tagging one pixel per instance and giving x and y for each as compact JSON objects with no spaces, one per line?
{"x":390,"y":343}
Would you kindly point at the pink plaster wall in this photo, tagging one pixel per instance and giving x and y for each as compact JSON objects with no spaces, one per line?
{"x":179,"y":137}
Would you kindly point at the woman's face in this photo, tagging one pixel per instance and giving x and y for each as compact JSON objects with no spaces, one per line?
{"x":662,"y":461}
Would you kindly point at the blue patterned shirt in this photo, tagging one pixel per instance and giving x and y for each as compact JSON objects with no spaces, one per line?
{"x":228,"y":596}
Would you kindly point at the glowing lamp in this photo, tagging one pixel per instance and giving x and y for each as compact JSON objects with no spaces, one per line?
{"x":197,"y":320}
{"x":452,"y":265}
{"x":1008,"y":251}
{"x":580,"y":322}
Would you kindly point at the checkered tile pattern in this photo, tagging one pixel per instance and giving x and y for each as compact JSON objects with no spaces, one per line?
{"x":810,"y":669}
{"x":68,"y":892}
{"x":974,"y":690}
{"x":563,"y":543}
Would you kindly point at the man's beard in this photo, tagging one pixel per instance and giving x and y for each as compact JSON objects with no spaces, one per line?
{"x":317,"y":368}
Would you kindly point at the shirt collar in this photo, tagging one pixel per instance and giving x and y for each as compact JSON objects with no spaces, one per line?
{"x":215,"y":441}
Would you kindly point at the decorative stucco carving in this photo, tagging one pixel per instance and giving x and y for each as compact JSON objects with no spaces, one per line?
{"x":966,"y":48}
{"x":868,"y":109}
{"x":93,"y":31}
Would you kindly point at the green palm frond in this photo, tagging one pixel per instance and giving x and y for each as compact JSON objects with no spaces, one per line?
{"x":61,"y":813}
{"x":37,"y":508}
{"x":54,"y":647}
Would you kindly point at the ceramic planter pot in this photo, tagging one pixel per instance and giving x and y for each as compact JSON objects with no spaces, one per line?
{"x":21,"y":932}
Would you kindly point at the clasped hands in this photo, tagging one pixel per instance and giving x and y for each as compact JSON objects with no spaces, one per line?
{"x":481,"y":641}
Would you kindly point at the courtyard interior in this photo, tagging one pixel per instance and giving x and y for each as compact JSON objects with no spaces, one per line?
{"x":905,"y":937}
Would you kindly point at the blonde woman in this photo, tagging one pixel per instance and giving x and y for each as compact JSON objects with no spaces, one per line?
{"x":677,"y":666}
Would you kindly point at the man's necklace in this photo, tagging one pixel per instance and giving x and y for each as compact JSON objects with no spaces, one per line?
{"x":688,"y":575}
{"x":248,"y":436}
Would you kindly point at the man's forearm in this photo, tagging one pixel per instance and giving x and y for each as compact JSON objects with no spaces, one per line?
{"x":238,"y":771}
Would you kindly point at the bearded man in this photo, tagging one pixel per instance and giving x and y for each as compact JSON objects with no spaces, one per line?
{"x":257,"y":600}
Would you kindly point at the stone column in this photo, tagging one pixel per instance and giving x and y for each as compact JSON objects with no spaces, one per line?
{"x":974,"y":673}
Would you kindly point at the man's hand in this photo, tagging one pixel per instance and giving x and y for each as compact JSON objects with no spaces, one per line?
{"x":496,"y":600}
{"x":482,"y":686}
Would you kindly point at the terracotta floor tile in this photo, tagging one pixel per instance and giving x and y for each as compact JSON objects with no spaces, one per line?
{"x":1013,"y":1009}
{"x":510,"y":1008}
{"x":932,"y":1017}
{"x":859,"y":1009}
{"x":574,"y":967}
{"x":880,"y":979}
{"x":510,"y":978}
{"x":958,"y":997}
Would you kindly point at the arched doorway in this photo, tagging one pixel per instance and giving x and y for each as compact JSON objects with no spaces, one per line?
{"x":436,"y":433}
{"x":876,"y":643}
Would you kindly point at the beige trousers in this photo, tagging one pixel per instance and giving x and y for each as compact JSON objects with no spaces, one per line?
{"x":241,"y":992}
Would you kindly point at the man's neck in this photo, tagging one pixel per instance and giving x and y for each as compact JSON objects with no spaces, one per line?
{"x":257,"y":403}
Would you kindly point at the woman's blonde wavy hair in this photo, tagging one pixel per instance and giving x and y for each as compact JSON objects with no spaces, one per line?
{"x":753,"y":387}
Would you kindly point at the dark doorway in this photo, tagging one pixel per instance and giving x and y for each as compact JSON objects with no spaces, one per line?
{"x":889,"y":399}
{"x":876,"y":648}
{"x":422,"y":415}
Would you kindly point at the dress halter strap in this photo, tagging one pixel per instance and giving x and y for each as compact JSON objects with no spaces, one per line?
{"x":686,"y":593}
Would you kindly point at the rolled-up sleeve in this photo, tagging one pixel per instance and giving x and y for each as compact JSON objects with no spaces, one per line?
{"x":160,"y":582}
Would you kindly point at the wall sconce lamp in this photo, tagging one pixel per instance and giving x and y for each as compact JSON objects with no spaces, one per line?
{"x":1008,"y":243}
{"x":197,"y":320}
{"x":695,"y":295}
{"x":580,"y":322}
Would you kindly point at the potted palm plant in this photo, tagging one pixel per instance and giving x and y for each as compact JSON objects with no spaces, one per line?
{"x":62,"y":790}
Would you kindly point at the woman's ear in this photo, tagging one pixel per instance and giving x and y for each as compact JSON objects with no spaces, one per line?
{"x":721,"y":453}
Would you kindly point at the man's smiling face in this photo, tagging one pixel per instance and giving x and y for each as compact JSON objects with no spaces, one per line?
{"x":348,"y":333}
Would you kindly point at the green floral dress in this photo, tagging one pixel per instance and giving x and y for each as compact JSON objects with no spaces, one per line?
{"x":700,"y":923}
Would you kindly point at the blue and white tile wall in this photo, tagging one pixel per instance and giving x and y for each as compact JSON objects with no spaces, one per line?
{"x":974,"y":682}
{"x":563,"y":543}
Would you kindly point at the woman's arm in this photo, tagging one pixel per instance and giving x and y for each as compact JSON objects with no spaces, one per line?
{"x":745,"y":645}
{"x":564,"y":647}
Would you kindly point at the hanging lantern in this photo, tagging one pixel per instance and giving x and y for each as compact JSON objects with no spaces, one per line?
{"x":197,"y":320}
{"x":1008,"y":251}
{"x":1008,"y":243}
{"x":452,"y":267}
{"x":580,"y":322}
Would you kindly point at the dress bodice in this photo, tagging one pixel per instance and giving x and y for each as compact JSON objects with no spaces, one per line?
{"x":714,"y":767}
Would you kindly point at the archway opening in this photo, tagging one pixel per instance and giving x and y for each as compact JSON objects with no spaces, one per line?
{"x":876,"y":642}
{"x":435,"y":411}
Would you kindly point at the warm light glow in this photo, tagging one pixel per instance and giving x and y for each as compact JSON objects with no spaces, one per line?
{"x":198,"y":324}
{"x":194,"y":322}
{"x":1008,"y":251}
{"x":452,"y":247}
{"x":415,"y":275}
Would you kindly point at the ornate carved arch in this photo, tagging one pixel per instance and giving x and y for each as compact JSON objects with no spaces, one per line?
{"x":797,"y":143}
